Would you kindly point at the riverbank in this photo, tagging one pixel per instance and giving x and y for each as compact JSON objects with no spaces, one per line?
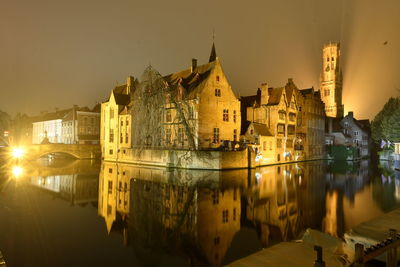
{"x":200,"y":159}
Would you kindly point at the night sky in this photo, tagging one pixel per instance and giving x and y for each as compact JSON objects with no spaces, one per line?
{"x":57,"y":53}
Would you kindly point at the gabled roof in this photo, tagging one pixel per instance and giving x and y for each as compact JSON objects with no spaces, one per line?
{"x":261,"y":129}
{"x":191,"y":80}
{"x":364,"y":125}
{"x":121,"y":99}
{"x":275,"y":95}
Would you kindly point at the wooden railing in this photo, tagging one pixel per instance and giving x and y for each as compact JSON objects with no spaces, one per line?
{"x":389,"y":246}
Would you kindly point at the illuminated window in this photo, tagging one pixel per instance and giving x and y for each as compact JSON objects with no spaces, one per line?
{"x":215,"y":197}
{"x":282,"y":115}
{"x":279,"y":143}
{"x":110,"y":185}
{"x":281,"y":129}
{"x":225,"y":115}
{"x":225,"y":214}
{"x":111,"y":135}
{"x":191,"y":112}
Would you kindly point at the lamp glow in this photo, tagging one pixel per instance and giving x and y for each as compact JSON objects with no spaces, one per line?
{"x":18,"y":152}
{"x":17,"y":171}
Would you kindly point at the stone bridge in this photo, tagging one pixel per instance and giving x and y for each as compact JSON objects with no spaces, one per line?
{"x":75,"y":150}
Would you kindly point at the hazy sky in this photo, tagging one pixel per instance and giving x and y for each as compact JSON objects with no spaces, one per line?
{"x":57,"y":53}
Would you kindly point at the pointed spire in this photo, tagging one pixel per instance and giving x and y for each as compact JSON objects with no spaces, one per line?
{"x":213,"y":55}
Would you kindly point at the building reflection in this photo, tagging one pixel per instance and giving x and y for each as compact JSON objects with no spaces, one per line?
{"x":78,"y":189}
{"x":172,"y":209}
{"x":199,"y":214}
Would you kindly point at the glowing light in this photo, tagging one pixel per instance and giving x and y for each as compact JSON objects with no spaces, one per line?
{"x":17,"y":171}
{"x":258,"y":176}
{"x":18,"y":152}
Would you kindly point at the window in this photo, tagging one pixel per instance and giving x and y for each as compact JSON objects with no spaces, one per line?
{"x":251,"y":131}
{"x":122,"y":123}
{"x":111,"y":135}
{"x":281,"y":129}
{"x":110,"y":170}
{"x":216,"y":240}
{"x":327,"y":92}
{"x":234,"y":116}
{"x":217,"y":78}
{"x":346,"y":124}
{"x":110,"y":185}
{"x":168,"y":116}
{"x":270,"y":145}
{"x":291,"y":129}
{"x":355,"y":132}
{"x":292,"y":117}
{"x":126,"y":138}
{"x":110,"y":152}
{"x":234,"y":135}
{"x":215,"y":197}
{"x":282,"y":115}
{"x":168,"y":136}
{"x":279,"y":143}
{"x":216,"y":135}
{"x":225,"y":115}
{"x":234,"y":193}
{"x":121,"y":139}
{"x":127,"y":122}
{"x":265,"y":145}
{"x":333,"y":59}
{"x":225,"y":216}
{"x":234,"y":214}
{"x":327,"y":59}
{"x":217,"y":92}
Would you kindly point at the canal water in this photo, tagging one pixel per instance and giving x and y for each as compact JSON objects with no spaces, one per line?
{"x":90,"y":213}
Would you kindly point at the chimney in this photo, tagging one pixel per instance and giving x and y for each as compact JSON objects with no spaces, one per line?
{"x":194,"y":64}
{"x":264,"y":94}
{"x":350,"y":114}
{"x":129,"y":84}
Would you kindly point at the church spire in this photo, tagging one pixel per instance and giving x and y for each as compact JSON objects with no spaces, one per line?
{"x":213,"y":55}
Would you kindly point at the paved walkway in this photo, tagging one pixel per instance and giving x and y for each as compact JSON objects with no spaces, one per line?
{"x":300,"y":253}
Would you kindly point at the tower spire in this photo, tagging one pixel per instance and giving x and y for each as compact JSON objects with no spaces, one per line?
{"x":213,"y":55}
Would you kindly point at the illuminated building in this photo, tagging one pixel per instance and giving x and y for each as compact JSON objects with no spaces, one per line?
{"x":331,"y":81}
{"x":277,"y":109}
{"x":201,"y":94}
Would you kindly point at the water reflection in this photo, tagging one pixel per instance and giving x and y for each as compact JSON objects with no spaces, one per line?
{"x":182,"y":218}
{"x":201,"y":212}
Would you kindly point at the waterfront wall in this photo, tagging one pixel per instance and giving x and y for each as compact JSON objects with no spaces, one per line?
{"x":204,"y":159}
{"x":188,"y":159}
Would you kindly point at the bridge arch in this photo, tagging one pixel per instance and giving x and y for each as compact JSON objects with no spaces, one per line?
{"x":45,"y":153}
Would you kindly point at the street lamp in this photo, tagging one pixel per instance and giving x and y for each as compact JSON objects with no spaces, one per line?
{"x":17,"y":171}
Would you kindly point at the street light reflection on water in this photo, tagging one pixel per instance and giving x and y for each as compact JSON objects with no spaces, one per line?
{"x":208,"y":216}
{"x":17,"y":171}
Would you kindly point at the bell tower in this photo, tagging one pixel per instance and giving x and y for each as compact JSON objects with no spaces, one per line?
{"x":331,"y":80}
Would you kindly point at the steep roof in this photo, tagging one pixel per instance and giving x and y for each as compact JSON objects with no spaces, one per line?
{"x":275,"y":95}
{"x":191,"y":80}
{"x":57,"y":115}
{"x":261,"y":129}
{"x":364,"y":125}
{"x":213,"y":54}
{"x":122,"y":99}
